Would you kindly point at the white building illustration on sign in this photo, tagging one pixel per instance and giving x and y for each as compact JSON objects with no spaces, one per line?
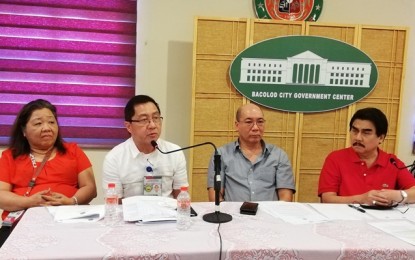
{"x":305,"y":68}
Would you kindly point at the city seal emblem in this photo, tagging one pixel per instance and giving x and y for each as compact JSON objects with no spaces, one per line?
{"x":292,"y":10}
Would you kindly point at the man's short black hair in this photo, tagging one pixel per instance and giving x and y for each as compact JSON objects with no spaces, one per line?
{"x":374,"y":115}
{"x":137,"y":100}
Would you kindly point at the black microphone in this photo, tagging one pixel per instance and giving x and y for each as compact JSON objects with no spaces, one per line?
{"x":217,"y":216}
{"x":393,"y":161}
{"x":412,"y":170}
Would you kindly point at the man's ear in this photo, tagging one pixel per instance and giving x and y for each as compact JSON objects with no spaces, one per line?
{"x":128,"y":126}
{"x":381,"y":139}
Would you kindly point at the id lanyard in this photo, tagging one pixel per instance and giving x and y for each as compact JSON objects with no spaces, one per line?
{"x":36,"y":170}
{"x":152,"y":184}
{"x":149,"y":168}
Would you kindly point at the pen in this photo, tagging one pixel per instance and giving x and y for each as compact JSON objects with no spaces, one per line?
{"x":357,"y":208}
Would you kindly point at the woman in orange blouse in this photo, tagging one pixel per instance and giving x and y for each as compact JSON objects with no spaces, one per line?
{"x":39,"y":168}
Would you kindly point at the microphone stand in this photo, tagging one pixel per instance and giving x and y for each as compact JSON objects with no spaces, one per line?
{"x":412,"y":170}
{"x":217,"y":216}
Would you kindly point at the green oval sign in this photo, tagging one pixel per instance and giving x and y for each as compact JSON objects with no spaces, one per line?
{"x":303,"y":73}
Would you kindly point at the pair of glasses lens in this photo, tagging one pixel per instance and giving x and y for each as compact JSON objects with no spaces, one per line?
{"x":146,"y":121}
{"x":259,"y":123}
{"x":403,"y":208}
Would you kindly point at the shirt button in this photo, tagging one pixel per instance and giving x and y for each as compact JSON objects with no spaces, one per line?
{"x":364,"y":174}
{"x":362,"y":163}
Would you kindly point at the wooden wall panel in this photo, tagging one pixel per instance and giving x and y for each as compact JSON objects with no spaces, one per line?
{"x":306,"y":137}
{"x":210,"y":77}
{"x":321,"y":133}
{"x":306,"y":187}
{"x":387,"y":48}
{"x":215,"y":100}
{"x":344,"y":33}
{"x":265,"y":29}
{"x":280,"y":126}
{"x":223,"y":40}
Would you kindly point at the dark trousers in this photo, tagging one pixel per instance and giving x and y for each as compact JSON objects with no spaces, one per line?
{"x":4,"y":234}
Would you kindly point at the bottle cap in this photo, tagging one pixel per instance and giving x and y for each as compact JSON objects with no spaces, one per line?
{"x":111,"y":185}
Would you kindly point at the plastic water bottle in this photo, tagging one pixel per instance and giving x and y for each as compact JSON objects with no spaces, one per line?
{"x":183,"y":209}
{"x":111,"y":205}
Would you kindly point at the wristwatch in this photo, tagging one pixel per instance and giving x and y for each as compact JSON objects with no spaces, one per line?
{"x":404,"y":196}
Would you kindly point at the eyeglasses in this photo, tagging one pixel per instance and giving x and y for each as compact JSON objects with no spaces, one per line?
{"x":251,"y":123}
{"x":146,"y":121}
{"x":402,"y":208}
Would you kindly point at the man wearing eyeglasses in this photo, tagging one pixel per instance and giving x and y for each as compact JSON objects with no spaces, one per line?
{"x":135,"y":166}
{"x":252,"y":170}
{"x":363,"y":173}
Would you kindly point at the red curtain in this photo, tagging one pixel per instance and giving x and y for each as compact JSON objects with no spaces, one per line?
{"x":79,"y":55}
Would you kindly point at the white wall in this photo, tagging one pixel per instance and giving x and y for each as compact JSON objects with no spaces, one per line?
{"x":164,"y":57}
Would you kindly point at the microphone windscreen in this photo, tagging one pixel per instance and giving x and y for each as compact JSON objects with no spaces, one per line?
{"x":393,"y":161}
{"x":153,"y":143}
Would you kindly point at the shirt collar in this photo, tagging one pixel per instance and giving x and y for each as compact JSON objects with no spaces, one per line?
{"x":133,"y":148}
{"x":265,"y":150}
{"x":382,"y":159}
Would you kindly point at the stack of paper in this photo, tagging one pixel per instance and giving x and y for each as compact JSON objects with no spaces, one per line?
{"x":292,"y":212}
{"x":79,"y":213}
{"x":146,"y":209}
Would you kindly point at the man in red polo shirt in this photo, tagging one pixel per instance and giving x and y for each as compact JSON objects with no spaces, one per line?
{"x":363,"y":173}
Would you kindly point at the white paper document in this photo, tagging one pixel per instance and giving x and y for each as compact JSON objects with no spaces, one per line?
{"x":77,"y":213}
{"x":292,"y":212}
{"x":341,"y":211}
{"x":146,"y":209}
{"x":401,"y":229}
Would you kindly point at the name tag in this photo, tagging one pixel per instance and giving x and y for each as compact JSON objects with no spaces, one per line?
{"x":12,"y":218}
{"x":152,"y":185}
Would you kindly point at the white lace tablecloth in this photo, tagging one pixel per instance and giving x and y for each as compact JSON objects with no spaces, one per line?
{"x":263,"y":236}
